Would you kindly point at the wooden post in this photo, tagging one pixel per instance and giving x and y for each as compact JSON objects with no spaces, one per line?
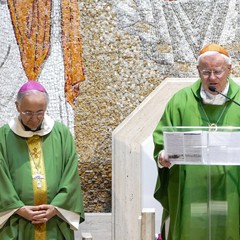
{"x":148,"y":224}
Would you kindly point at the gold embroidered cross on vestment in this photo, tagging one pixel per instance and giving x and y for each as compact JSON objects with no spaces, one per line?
{"x":35,"y":152}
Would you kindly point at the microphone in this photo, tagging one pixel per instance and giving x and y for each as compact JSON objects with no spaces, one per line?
{"x":213,"y":89}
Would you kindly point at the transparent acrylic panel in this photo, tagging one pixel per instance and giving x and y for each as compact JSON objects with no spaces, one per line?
{"x":202,"y":145}
{"x":205,"y":194}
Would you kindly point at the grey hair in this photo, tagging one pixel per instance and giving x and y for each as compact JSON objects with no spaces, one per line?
{"x":21,"y":95}
{"x":210,"y":53}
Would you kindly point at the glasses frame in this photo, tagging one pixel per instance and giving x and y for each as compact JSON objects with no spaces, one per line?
{"x":31,"y":114}
{"x":208,"y":73}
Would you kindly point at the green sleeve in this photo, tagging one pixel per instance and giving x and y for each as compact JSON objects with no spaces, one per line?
{"x":9,"y":198}
{"x":69,"y":194}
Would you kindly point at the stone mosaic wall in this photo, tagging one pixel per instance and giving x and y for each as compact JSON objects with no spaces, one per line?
{"x":129,"y":47}
{"x":118,"y":80}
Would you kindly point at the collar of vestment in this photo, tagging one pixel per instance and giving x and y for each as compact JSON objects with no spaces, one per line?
{"x":213,"y":99}
{"x":232,"y":90}
{"x":17,"y":127}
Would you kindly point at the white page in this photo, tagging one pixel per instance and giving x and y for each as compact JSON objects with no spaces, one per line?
{"x":203,"y":147}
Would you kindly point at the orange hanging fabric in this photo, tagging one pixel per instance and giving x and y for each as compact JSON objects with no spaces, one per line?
{"x":32,"y":26}
{"x":31,"y":23}
{"x":72,"y":49}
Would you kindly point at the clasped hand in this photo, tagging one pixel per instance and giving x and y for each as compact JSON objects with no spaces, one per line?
{"x":37,"y":214}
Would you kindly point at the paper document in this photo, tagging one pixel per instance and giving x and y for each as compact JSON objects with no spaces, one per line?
{"x":203,"y":147}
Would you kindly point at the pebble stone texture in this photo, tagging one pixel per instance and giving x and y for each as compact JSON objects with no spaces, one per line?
{"x":129,"y":47}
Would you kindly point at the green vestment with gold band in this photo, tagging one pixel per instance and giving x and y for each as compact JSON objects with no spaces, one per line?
{"x":16,"y":184}
{"x":201,"y":202}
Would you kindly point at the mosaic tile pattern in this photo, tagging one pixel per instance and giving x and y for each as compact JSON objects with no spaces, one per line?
{"x":129,"y":47}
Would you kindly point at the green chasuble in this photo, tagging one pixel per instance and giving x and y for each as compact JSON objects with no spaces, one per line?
{"x":201,"y":202}
{"x":61,"y":176}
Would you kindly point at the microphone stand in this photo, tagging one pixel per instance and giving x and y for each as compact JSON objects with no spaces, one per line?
{"x":213,"y":89}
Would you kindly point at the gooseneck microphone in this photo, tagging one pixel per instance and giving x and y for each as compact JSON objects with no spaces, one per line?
{"x":213,"y":89}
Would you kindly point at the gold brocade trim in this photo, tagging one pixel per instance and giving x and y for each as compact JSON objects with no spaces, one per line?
{"x":40,"y":193}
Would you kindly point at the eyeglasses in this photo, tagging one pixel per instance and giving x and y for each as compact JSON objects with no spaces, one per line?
{"x":31,"y":114}
{"x":207,"y":73}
